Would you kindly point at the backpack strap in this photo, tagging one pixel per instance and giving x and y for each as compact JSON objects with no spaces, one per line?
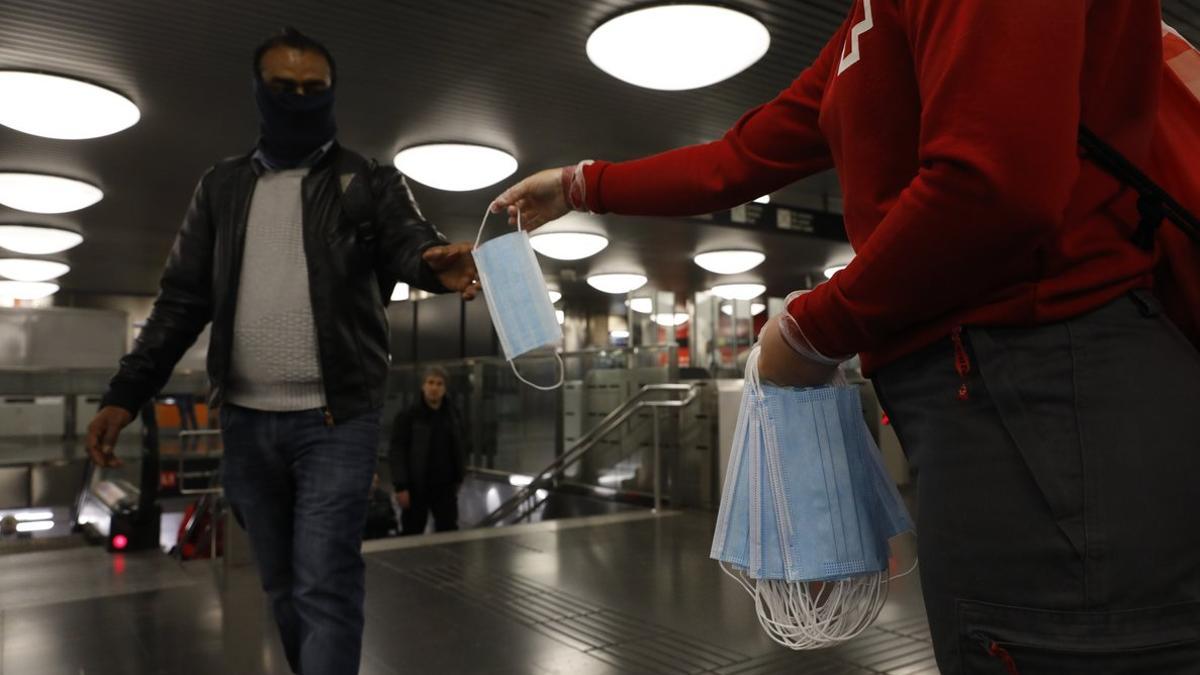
{"x":1154,"y":203}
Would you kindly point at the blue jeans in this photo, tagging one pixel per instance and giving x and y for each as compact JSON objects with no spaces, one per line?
{"x":301,"y":488}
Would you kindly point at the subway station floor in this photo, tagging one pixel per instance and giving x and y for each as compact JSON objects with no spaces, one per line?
{"x":620,"y":593}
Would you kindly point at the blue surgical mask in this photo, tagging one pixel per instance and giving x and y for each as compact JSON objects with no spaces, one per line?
{"x":517,"y":296}
{"x":806,"y":497}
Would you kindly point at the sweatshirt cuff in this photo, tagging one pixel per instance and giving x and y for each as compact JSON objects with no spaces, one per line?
{"x":822,"y":336}
{"x":593,"y":174}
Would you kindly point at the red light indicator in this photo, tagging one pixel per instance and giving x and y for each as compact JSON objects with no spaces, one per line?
{"x":886,"y":420}
{"x":120,"y":541}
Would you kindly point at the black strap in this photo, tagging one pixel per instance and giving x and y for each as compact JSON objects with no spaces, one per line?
{"x":1154,"y":203}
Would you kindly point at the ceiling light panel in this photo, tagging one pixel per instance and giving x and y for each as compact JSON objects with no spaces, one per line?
{"x":729,"y":261}
{"x":568,"y":245}
{"x":41,"y":193}
{"x":679,"y":46}
{"x":455,"y":167}
{"x":738,"y":291}
{"x":616,"y":283}
{"x":28,"y":269}
{"x":61,"y":107}
{"x":34,"y":240}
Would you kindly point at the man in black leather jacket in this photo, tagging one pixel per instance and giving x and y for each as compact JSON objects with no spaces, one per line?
{"x":291,"y":252}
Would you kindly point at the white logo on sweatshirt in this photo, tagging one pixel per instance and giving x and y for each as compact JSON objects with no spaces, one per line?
{"x":856,"y":32}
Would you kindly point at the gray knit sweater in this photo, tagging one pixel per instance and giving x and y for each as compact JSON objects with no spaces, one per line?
{"x":275,"y":363}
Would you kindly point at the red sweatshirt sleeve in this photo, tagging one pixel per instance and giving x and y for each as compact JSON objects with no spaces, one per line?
{"x":771,"y":146}
{"x":999,"y":85}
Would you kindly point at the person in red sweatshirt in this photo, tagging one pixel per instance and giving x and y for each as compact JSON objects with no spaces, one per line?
{"x":999,"y":305}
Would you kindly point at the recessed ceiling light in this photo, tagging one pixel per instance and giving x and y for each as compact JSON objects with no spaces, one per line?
{"x":457,"y":167}
{"x":35,"y":240}
{"x":400,"y":292}
{"x":765,"y":199}
{"x":677,"y":47}
{"x":555,"y":296}
{"x":641,"y":305}
{"x":729,"y":262}
{"x":830,"y":271}
{"x":738,"y":291}
{"x":560,"y":316}
{"x":618,"y":334}
{"x":62,"y":107}
{"x":616,"y":283}
{"x":27,"y":290}
{"x":568,"y":245}
{"x":755,"y":309}
{"x":670,"y":320}
{"x":28,"y":269}
{"x":40,"y":193}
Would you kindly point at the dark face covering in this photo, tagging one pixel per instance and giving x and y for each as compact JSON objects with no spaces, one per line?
{"x":293,"y":126}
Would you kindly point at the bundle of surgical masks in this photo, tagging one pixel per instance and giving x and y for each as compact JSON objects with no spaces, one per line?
{"x":807,"y":512}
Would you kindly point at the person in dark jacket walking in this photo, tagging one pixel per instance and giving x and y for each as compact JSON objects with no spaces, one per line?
{"x":428,"y":456}
{"x":291,"y":251}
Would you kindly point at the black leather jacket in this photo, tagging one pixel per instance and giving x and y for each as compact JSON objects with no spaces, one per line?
{"x":358,"y":244}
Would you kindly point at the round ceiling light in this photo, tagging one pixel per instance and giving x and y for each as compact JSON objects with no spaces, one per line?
{"x":555,"y":296}
{"x":36,"y":240}
{"x":28,"y":269}
{"x":619,"y":334}
{"x":456,"y":167}
{"x":641,"y":305}
{"x":833,"y":270}
{"x":616,"y":283}
{"x":738,"y":291}
{"x":677,"y":47}
{"x":765,"y":199}
{"x":62,"y":107}
{"x":568,"y":245}
{"x":670,"y":320}
{"x":755,"y":309}
{"x":41,"y":193}
{"x":27,"y":290}
{"x":560,"y":316}
{"x":729,"y":262}
{"x":400,"y":292}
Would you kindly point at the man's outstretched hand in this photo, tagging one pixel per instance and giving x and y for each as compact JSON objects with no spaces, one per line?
{"x":455,"y":268}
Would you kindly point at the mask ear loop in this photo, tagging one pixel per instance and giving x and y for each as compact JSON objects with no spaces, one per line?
{"x":562,"y":375}
{"x":562,"y":367}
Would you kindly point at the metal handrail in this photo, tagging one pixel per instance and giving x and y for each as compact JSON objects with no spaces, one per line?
{"x":589,"y":440}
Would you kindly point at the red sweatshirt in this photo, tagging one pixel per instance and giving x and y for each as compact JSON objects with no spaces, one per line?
{"x":952,"y":125}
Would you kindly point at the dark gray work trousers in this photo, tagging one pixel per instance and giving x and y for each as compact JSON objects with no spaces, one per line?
{"x":1058,"y":521}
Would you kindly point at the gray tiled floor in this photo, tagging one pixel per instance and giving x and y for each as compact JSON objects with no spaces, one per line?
{"x":612,"y":595}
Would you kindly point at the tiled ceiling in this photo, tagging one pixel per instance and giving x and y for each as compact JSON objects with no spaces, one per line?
{"x":507,"y":73}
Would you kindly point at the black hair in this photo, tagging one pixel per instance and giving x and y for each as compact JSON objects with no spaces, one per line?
{"x":290,"y":37}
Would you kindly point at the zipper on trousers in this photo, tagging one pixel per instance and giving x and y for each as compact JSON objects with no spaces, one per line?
{"x":997,"y":652}
{"x":962,"y":363}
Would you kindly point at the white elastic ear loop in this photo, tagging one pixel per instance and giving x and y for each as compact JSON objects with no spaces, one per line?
{"x":562,"y":375}
{"x":486,"y":214}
